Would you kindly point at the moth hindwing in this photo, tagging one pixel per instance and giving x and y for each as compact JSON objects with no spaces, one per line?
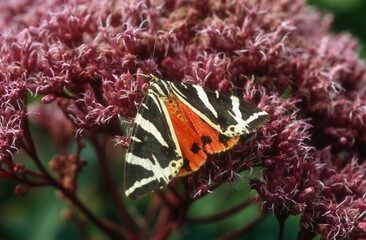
{"x":176,"y":126}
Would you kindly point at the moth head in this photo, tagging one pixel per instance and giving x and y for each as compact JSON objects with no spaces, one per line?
{"x":152,"y":79}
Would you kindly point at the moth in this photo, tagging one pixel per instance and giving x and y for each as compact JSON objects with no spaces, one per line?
{"x":175,"y":128}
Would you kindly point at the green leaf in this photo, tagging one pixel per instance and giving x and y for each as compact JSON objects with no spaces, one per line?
{"x":287,"y":93}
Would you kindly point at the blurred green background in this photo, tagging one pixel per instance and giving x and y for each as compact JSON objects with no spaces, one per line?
{"x":37,"y":215}
{"x":349,"y":16}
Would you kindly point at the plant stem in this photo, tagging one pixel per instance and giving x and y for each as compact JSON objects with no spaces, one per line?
{"x":282,"y":228}
{"x":221,"y":215}
{"x":111,"y":186}
{"x":239,"y":232}
{"x":74,"y":199}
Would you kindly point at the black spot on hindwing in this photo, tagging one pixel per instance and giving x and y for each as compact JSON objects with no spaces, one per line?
{"x":224,"y":139}
{"x":195,"y":148}
{"x":206,"y":140}
{"x":186,"y":165}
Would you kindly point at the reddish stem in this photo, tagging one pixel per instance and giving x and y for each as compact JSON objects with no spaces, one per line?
{"x":176,"y":194}
{"x":76,"y":201}
{"x":31,"y":183}
{"x":33,"y":173}
{"x":239,"y":232}
{"x":112,"y":187}
{"x":152,"y":209}
{"x":281,"y":221}
{"x":2,"y":175}
{"x":164,"y":224}
{"x":172,"y":215}
{"x":221,"y":215}
{"x":78,"y":165}
{"x":164,"y":199}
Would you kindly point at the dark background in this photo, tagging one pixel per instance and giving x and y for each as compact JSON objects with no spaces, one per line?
{"x":38,"y":215}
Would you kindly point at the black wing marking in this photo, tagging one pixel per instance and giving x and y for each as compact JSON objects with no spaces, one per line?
{"x":154,"y":156}
{"x":229,"y":115}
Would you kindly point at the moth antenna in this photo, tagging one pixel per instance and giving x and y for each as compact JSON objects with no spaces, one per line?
{"x":135,"y":74}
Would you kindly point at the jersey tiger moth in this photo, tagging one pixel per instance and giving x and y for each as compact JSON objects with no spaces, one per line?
{"x":175,"y":128}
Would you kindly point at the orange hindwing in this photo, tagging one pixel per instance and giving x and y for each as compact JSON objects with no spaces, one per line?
{"x":194,"y":135}
{"x":213,"y":141}
{"x":189,"y":141}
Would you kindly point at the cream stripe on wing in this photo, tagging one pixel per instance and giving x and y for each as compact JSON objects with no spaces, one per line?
{"x":138,"y":184}
{"x":158,"y":172}
{"x":255,"y":116}
{"x":146,"y":163}
{"x":237,"y":115}
{"x":204,"y":117}
{"x":243,"y":125}
{"x":150,"y":128}
{"x":157,"y":87}
{"x":203,"y":96}
{"x":171,"y":128}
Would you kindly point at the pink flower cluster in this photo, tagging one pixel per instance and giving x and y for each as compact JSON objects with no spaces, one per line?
{"x":278,"y":55}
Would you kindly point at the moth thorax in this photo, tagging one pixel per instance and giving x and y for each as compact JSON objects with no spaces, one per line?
{"x":172,"y":105}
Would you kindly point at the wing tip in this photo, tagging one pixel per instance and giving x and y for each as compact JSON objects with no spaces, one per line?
{"x":131,"y":196}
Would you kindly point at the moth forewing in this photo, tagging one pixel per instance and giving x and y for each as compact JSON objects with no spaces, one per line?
{"x":228,"y":114}
{"x":154,"y":156}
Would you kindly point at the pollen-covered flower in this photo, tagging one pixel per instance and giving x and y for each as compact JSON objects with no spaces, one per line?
{"x":337,"y":211}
